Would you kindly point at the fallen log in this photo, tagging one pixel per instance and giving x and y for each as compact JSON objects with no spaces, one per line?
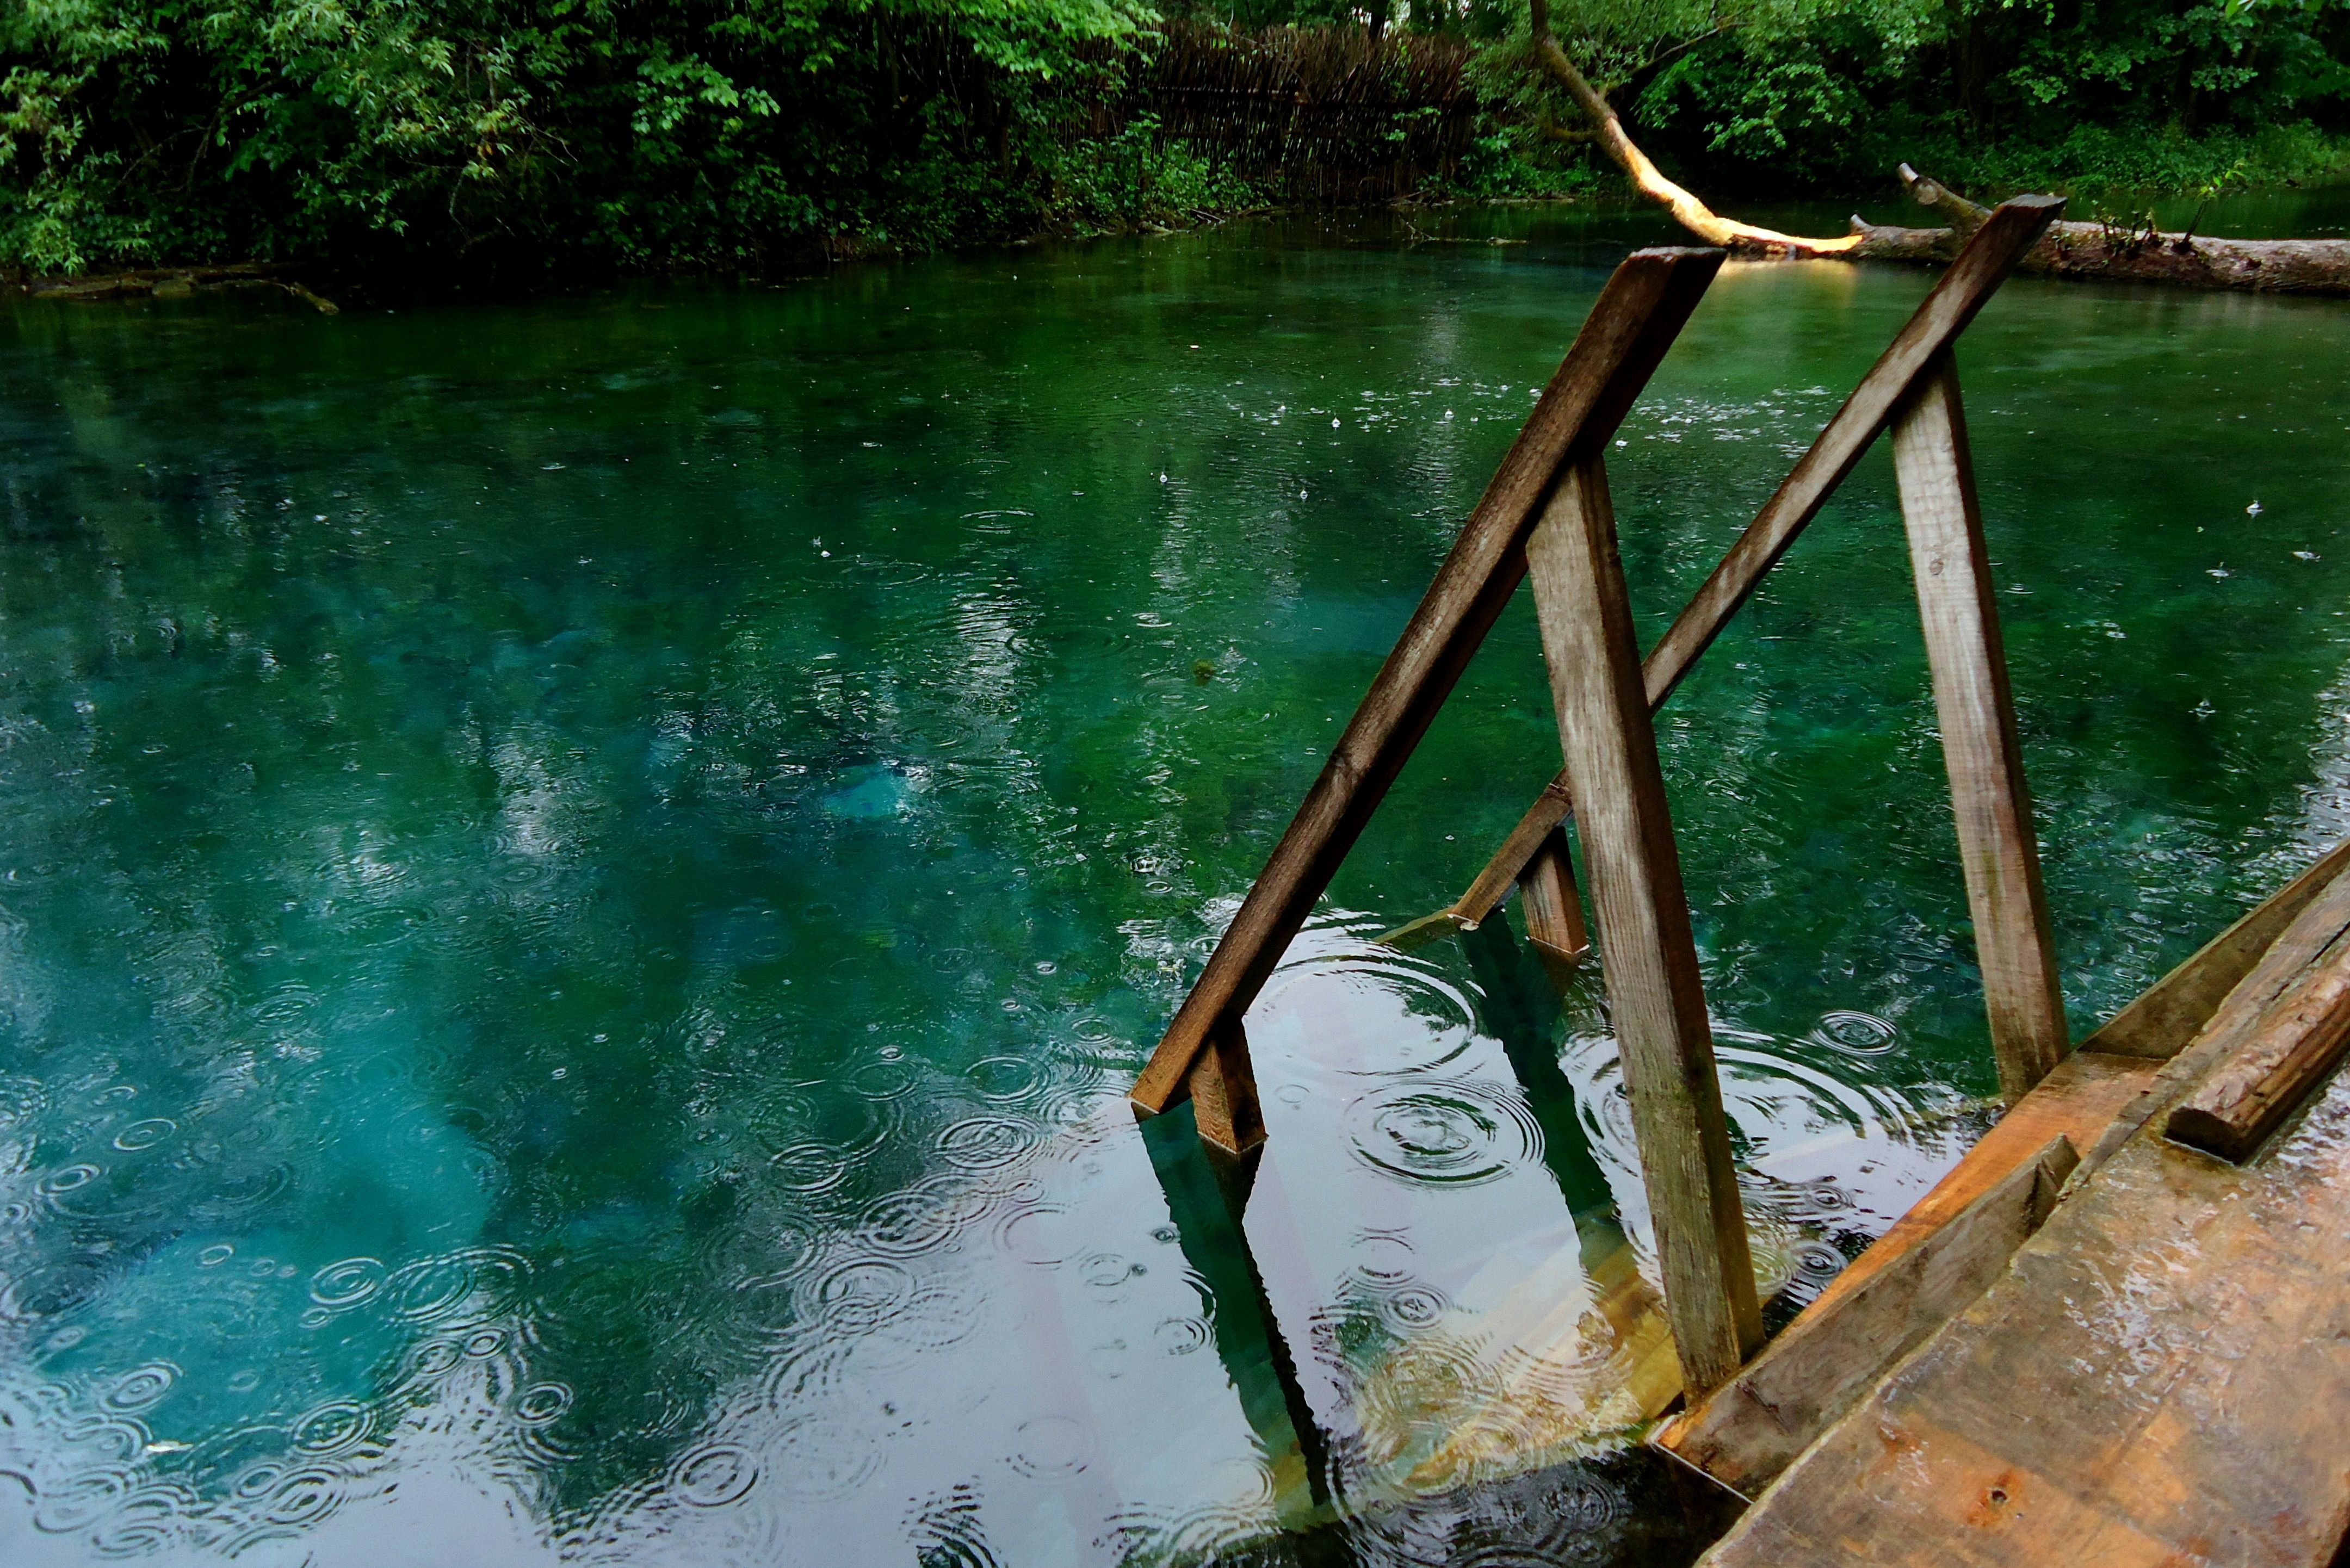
{"x":2068,"y":249}
{"x":168,"y":282}
{"x":2123,"y":254}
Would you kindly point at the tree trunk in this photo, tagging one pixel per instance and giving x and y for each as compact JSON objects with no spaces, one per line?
{"x":2129,"y":256}
{"x":171,"y":282}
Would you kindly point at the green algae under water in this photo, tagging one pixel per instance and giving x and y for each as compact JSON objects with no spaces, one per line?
{"x":580,"y":883}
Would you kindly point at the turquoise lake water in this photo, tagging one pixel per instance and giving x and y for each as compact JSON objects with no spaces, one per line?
{"x":581,"y":883}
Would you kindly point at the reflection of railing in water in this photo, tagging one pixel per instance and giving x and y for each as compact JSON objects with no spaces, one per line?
{"x":1207,"y":1199}
{"x":1547,"y":515}
{"x":1366,"y":1400}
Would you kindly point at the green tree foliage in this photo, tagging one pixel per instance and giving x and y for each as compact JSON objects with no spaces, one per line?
{"x":1813,"y":94}
{"x":501,"y":133}
{"x":503,"y":137}
{"x":2159,"y":92}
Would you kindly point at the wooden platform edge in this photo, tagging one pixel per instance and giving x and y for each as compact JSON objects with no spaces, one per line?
{"x":2153,"y":1382}
{"x":2322,"y":917}
{"x":1939,"y":1258}
{"x":2161,"y":1020}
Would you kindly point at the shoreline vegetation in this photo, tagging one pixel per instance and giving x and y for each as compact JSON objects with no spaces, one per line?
{"x":374,"y":147}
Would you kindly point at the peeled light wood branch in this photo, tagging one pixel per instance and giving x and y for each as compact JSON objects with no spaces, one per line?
{"x":2072,"y":250}
{"x":1965,"y":216}
{"x":1688,"y":210}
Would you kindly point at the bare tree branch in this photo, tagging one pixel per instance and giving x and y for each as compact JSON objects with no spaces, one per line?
{"x":1686,"y":210}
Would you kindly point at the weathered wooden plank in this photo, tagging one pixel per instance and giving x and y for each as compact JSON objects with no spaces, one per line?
{"x":1747,"y":1431}
{"x":1553,"y":910}
{"x":1656,"y":999}
{"x":2306,"y":936}
{"x":2323,"y":919}
{"x":1423,"y":930}
{"x":1546,"y":816}
{"x":2159,"y":1378}
{"x":1976,"y":709}
{"x":1989,"y":257}
{"x":1743,"y":1443}
{"x":2297,"y":1043}
{"x":1222,"y":1089}
{"x":1638,"y":317}
{"x":2160,"y":1020}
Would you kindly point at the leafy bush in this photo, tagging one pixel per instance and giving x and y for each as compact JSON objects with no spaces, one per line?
{"x":510,"y":139}
{"x":506,"y":135}
{"x":2007,"y":93}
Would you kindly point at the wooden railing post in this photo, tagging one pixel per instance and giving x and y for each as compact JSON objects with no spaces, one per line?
{"x":1638,"y":315}
{"x":1656,"y":998}
{"x":1222,"y":1089}
{"x":1553,"y":909}
{"x":1976,"y":708}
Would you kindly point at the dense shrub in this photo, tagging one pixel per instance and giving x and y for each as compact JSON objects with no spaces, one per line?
{"x":507,"y":134}
{"x":462,"y":138}
{"x":2120,"y":92}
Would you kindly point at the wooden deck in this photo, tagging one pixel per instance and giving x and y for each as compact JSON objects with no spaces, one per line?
{"x":2139,"y":1358}
{"x":1945,"y":1252}
{"x":2160,"y":1377}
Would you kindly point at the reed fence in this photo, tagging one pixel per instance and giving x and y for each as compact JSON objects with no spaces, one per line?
{"x":1321,"y":115}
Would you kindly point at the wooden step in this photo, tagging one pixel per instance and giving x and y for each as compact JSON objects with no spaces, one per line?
{"x":1941,"y":1255}
{"x":1946,"y":1252}
{"x":2159,"y":1378}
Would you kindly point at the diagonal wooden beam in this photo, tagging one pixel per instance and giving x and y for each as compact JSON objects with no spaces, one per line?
{"x":2001,"y":243}
{"x":1639,"y":315}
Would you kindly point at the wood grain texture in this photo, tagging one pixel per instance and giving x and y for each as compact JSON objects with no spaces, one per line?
{"x":1639,"y":315}
{"x":1553,"y":905}
{"x":1973,"y":277}
{"x":1546,"y":816}
{"x":1752,"y":1428}
{"x":1221,"y":1086}
{"x":1745,"y":1443}
{"x":1998,"y":848}
{"x":1656,"y":999}
{"x":2323,"y":919}
{"x":2159,"y":1378}
{"x":2162,"y":1019}
{"x":2298,"y":1040}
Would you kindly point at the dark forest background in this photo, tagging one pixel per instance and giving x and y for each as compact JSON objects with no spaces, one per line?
{"x":526,"y":138}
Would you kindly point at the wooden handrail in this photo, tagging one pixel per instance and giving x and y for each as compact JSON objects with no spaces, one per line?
{"x":1546,"y":514}
{"x":1638,"y":315}
{"x":1656,"y":994}
{"x":1990,"y":256}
